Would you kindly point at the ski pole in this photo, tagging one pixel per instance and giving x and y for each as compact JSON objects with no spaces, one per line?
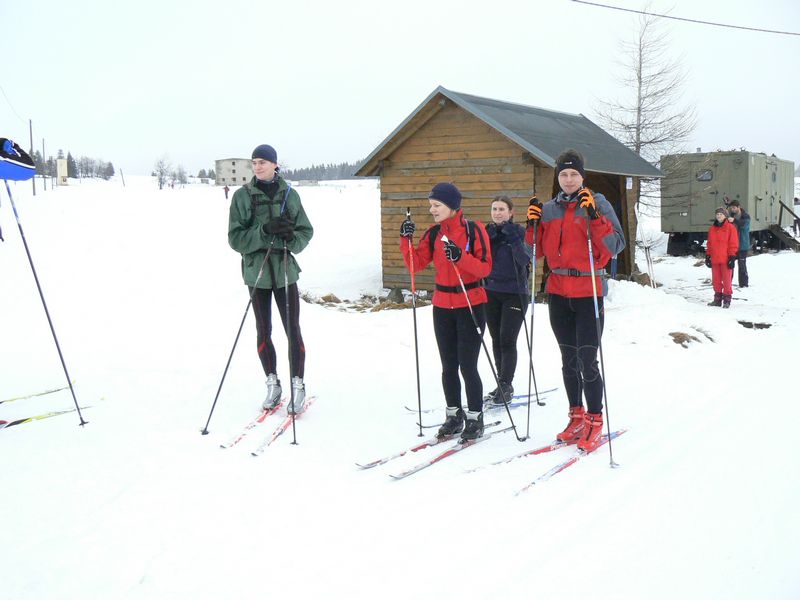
{"x":44,"y":304}
{"x":414,"y":313}
{"x":531,"y":373}
{"x":204,"y":431}
{"x":289,"y":339}
{"x":483,"y":342}
{"x":612,"y":464}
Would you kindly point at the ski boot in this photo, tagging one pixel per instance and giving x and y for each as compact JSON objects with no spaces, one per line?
{"x":507,"y":392}
{"x":474,"y":427}
{"x":726,"y":301}
{"x":574,"y":429}
{"x":273,"y":392}
{"x":592,"y":431}
{"x":490,"y":396}
{"x":717,"y":301}
{"x":453,"y":423}
{"x":299,"y":389}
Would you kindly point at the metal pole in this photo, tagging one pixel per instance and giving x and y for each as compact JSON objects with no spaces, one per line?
{"x":414,"y":313}
{"x":204,"y":431}
{"x":44,"y":304}
{"x":483,"y":343}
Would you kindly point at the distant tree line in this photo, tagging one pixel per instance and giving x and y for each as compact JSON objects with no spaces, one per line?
{"x":83,"y":167}
{"x":203,"y":174}
{"x":343,"y":170}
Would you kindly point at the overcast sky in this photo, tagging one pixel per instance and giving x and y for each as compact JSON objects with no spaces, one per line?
{"x":327,"y":81}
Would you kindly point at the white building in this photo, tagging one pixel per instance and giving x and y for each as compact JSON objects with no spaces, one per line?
{"x":233,"y":171}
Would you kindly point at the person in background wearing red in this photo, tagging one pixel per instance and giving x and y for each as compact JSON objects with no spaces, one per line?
{"x":721,"y":251}
{"x":466,"y":252}
{"x":562,"y":233}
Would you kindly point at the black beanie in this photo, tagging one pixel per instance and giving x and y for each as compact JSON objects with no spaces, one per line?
{"x":570,"y":159}
{"x":266,"y":152}
{"x":447,"y":194}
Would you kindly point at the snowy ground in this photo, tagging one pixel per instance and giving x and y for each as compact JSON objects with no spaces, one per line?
{"x":146,"y":299}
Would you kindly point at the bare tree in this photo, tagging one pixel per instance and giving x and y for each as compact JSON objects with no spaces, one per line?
{"x":651,"y":120}
{"x":162,"y":171}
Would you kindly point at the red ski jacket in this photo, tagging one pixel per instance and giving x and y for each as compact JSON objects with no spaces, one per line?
{"x":474,"y":265}
{"x":562,"y":239}
{"x":723,"y":242}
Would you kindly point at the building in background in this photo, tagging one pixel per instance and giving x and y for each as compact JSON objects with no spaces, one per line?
{"x":233,"y":171}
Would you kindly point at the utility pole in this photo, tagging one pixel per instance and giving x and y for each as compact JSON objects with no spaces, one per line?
{"x":30,"y":131}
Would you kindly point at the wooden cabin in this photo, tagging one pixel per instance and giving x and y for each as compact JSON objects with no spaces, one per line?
{"x":487,"y":148}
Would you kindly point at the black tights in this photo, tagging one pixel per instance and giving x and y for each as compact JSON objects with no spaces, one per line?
{"x":573,"y":323}
{"x":459,"y":347}
{"x":262,"y":307}
{"x":504,"y":316}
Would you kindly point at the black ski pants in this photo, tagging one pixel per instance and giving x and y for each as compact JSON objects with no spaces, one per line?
{"x":744,"y":279}
{"x":459,"y":347}
{"x":504,"y":316}
{"x":573,"y":323}
{"x":262,"y":307}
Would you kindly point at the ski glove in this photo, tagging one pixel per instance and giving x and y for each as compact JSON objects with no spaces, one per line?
{"x":407,"y":228}
{"x":280,"y":227}
{"x":452,"y":252}
{"x":534,"y":210}
{"x":511,"y":233}
{"x":731,"y":261}
{"x":708,"y":261}
{"x":588,"y":203}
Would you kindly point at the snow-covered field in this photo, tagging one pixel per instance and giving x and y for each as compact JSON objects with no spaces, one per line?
{"x":146,"y":299}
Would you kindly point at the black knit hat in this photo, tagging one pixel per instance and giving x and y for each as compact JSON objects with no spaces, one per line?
{"x":447,"y":194}
{"x":266,"y":152}
{"x":570,"y":159}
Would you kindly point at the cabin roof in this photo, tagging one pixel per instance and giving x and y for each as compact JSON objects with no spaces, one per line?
{"x":542,"y":133}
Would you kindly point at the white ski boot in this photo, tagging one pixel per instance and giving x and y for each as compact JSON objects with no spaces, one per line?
{"x":299,"y":389}
{"x":273,"y":392}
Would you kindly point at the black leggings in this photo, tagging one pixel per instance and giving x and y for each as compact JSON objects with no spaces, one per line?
{"x":262,"y":307}
{"x":504,"y":316}
{"x":573,"y":323}
{"x":459,"y":346}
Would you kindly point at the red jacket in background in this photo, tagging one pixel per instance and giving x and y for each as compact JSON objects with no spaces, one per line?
{"x":474,"y":265}
{"x":723,"y":242}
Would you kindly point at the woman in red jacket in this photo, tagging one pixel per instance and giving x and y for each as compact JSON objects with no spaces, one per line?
{"x":563,"y":238}
{"x":466,"y":253}
{"x":722,"y":249}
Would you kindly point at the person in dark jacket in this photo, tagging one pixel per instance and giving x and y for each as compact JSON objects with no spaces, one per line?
{"x":721,"y":249}
{"x":563,"y":238}
{"x":507,"y":292}
{"x":740,"y":218}
{"x":459,"y":250}
{"x":268,"y":226}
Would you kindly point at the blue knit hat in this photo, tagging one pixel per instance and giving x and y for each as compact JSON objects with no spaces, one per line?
{"x":266,"y":152}
{"x":447,"y":194}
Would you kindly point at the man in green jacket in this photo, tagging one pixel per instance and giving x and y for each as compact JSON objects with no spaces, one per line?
{"x":267,"y":226}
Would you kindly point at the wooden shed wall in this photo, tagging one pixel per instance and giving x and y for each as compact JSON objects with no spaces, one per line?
{"x":451,"y":146}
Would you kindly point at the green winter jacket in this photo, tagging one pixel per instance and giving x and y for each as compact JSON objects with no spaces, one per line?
{"x":250,"y":209}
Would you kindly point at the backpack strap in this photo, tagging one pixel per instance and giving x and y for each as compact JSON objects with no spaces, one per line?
{"x":254,"y":203}
{"x":433,"y":232}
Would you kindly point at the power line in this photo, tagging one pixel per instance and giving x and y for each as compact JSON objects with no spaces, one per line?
{"x":11,"y":105}
{"x":643,"y":12}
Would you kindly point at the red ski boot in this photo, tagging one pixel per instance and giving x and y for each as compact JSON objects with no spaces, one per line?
{"x":574,"y":430}
{"x":592,"y":431}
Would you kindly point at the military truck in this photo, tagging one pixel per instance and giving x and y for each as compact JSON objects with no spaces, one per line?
{"x":695,"y":184}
